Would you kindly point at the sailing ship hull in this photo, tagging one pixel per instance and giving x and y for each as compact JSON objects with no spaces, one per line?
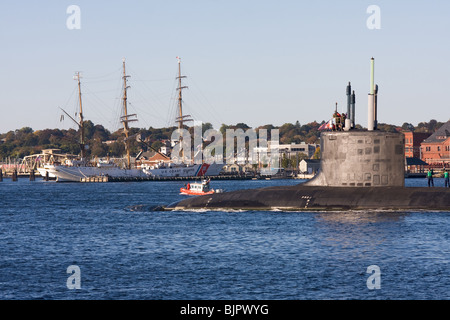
{"x":43,"y":172}
{"x":76,"y":174}
{"x":196,"y":170}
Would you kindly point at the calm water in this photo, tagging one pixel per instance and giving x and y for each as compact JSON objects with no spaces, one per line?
{"x":127,"y":251}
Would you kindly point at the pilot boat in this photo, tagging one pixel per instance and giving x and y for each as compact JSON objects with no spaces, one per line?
{"x":198,"y":188}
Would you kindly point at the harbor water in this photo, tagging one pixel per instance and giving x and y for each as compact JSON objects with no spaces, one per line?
{"x":126,"y":248}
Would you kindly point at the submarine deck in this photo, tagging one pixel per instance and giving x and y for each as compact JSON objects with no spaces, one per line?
{"x":319,"y":198}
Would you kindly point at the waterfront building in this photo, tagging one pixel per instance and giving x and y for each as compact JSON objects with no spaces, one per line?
{"x":412,"y":143}
{"x":436,"y":149}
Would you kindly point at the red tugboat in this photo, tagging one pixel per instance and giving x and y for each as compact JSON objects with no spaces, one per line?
{"x":198,"y":189}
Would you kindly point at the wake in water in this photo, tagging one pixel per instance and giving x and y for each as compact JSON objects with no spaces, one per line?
{"x":160,"y":208}
{"x":145,"y":208}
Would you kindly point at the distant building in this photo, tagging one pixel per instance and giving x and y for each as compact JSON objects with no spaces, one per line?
{"x":414,"y":167}
{"x":296,"y":148}
{"x":412,"y":143}
{"x":165,"y":150}
{"x":239,"y":169}
{"x":309,"y":166}
{"x":436,"y":149}
{"x":248,"y":168}
{"x":151,"y":158}
{"x":232,"y":168}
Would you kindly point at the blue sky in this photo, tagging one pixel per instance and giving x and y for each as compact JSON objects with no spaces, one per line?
{"x":258,"y":62}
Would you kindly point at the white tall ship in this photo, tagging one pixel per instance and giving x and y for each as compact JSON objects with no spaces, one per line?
{"x":183,"y":169}
{"x":192,"y":170}
{"x":76,"y":171}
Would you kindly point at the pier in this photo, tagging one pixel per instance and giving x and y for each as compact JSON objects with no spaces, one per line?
{"x":32,"y":176}
{"x":154,"y":178}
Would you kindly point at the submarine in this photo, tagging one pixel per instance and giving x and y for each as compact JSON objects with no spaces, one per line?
{"x":359,"y":170}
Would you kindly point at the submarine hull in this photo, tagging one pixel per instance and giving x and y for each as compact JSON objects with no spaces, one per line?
{"x":320,"y":198}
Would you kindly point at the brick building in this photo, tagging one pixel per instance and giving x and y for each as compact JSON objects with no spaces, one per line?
{"x":412,"y":143}
{"x":151,"y":158}
{"x":436,"y":149}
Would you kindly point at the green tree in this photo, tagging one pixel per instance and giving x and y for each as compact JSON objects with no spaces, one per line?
{"x":44,"y":136}
{"x":29,"y":140}
{"x":407,"y":126}
{"x":317,"y":154}
{"x":223,"y":129}
{"x":116,"y":149}
{"x":99,"y":149}
{"x":157,"y":145}
{"x":100,"y":133}
{"x":285,"y":161}
{"x":88,"y":129}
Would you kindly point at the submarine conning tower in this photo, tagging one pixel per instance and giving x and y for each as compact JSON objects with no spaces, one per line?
{"x":356,"y":158}
{"x":361,"y":159}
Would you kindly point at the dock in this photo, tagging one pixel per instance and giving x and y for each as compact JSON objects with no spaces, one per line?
{"x":154,"y":178}
{"x":103,"y":179}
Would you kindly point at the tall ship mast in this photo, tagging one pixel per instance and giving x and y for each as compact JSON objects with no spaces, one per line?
{"x":181,"y":118}
{"x":186,"y":169}
{"x":80,"y":123}
{"x":126,"y":118}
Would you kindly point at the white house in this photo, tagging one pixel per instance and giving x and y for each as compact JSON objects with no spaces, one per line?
{"x":309,"y":166}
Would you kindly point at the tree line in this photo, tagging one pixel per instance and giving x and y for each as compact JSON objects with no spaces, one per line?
{"x":25,"y":141}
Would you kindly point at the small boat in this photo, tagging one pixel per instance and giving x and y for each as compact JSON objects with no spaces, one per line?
{"x":198,"y":189}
